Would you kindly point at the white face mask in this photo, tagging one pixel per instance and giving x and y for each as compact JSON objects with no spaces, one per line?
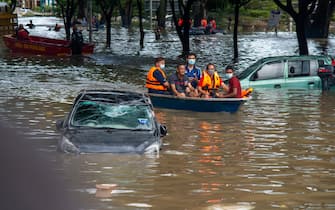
{"x":229,"y":75}
{"x":162,"y":66}
{"x":191,"y":61}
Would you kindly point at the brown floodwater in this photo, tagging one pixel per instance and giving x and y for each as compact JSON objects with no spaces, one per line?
{"x":276,"y":152}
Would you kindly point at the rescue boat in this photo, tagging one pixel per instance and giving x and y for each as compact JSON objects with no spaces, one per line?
{"x":43,"y":46}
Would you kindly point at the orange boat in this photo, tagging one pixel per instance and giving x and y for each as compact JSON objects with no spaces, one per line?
{"x":43,"y":46}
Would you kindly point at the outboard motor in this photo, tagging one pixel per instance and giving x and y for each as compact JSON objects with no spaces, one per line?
{"x":326,"y":75}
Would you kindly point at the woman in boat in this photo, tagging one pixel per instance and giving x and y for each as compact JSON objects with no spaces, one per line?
{"x":210,"y":82}
{"x":156,"y":81}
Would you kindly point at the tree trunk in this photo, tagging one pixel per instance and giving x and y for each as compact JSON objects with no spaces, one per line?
{"x":139,"y":6}
{"x":301,"y":35}
{"x":82,"y":8}
{"x":186,"y":36}
{"x":237,"y":11}
{"x":318,"y":26}
{"x":161,"y":13}
{"x":126,"y":14}
{"x":197,"y":13}
{"x":108,"y":31}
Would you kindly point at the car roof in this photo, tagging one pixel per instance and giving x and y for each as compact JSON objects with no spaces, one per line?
{"x":114,"y":96}
{"x":297,"y":57}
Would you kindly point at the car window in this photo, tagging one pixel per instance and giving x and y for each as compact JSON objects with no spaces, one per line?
{"x":110,"y":115}
{"x":272,"y":70}
{"x":298,"y":68}
{"x":314,"y":67}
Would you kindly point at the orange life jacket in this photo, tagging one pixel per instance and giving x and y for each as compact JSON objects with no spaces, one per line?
{"x":203,"y":22}
{"x":246,"y":92}
{"x":208,"y":83}
{"x":152,"y":82}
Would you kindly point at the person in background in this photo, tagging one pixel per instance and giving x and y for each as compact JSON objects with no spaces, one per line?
{"x":77,"y":41}
{"x":204,"y":22}
{"x":156,"y":81}
{"x":234,"y":89}
{"x":57,"y":27}
{"x":180,"y":86}
{"x":30,"y":24}
{"x":22,"y":33}
{"x":192,"y":72}
{"x":210,"y":82}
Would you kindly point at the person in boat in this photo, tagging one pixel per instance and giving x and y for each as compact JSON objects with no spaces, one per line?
{"x":30,"y":24}
{"x":179,"y":84}
{"x":210,"y":82}
{"x":204,"y":22}
{"x":234,"y":89}
{"x":156,"y":81}
{"x":22,"y":33}
{"x":77,"y":41}
{"x":192,"y":72}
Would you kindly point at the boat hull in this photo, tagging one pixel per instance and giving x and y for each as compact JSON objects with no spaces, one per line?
{"x":43,"y":46}
{"x":197,"y":104}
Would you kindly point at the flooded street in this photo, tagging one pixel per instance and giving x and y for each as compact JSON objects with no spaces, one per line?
{"x":276,"y":152}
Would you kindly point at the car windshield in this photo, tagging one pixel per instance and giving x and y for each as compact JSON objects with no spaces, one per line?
{"x":244,"y":74}
{"x":95,"y":114}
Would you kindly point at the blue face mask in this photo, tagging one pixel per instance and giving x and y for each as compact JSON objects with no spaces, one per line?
{"x":162,"y":66}
{"x":191,"y":61}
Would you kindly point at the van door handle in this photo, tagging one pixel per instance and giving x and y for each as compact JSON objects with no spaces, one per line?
{"x":311,"y":83}
{"x":277,"y":86}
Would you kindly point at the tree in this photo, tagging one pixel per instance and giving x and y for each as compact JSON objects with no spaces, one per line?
{"x":82,"y":8}
{"x":68,"y":8}
{"x":305,"y":8}
{"x":184,"y":28}
{"x":237,"y":5}
{"x":126,"y":13}
{"x":161,"y":13}
{"x":107,"y":7}
{"x":139,"y":6}
{"x":319,"y":20}
{"x":12,"y":5}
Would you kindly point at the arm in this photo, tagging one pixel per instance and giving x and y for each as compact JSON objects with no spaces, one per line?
{"x":233,"y":94}
{"x":161,"y":79}
{"x":174,"y":90}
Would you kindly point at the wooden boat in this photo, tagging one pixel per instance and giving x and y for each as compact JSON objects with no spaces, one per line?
{"x":197,"y":104}
{"x":43,"y":46}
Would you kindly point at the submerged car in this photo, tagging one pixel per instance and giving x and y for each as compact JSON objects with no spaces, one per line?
{"x":104,"y":121}
{"x":306,"y":72}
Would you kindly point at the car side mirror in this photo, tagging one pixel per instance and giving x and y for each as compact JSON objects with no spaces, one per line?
{"x":59,"y":124}
{"x":163,"y":130}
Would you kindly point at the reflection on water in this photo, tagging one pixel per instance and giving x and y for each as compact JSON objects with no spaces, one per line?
{"x":276,"y":152}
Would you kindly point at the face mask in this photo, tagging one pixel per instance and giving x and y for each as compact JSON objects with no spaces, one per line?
{"x":162,"y":66}
{"x":191,"y":61}
{"x":211,"y":72}
{"x":229,"y":75}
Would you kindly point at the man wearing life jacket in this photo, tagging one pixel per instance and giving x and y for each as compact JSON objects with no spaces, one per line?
{"x":156,"y":81}
{"x":210,"y":82}
{"x":234,"y":89}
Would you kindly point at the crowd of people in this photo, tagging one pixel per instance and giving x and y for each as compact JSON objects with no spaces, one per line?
{"x":190,"y":81}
